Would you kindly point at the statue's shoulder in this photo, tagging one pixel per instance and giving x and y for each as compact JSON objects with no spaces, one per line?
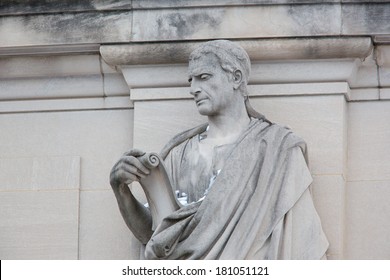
{"x":182,"y":137}
{"x":284,"y":137}
{"x":275,"y":130}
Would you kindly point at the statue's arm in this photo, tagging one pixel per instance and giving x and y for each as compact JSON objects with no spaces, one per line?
{"x":136,"y":216}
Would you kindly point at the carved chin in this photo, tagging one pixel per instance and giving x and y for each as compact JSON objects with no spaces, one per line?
{"x":205,"y":111}
{"x":205,"y":107}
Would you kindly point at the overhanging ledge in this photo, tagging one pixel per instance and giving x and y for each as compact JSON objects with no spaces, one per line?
{"x":258,"y":50}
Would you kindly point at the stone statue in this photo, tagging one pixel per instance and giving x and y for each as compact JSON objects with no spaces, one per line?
{"x":245,"y":179}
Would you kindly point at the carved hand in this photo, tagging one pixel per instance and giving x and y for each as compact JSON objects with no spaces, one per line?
{"x":128,"y":169}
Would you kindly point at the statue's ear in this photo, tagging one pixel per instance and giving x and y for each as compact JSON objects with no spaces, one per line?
{"x":237,"y":79}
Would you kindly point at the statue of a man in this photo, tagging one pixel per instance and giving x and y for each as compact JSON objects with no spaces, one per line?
{"x":246,"y":179}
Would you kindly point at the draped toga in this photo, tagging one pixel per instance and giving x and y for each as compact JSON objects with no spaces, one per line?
{"x":258,"y":207}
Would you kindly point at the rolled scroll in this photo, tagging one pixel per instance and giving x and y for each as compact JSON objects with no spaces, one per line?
{"x":158,"y":190}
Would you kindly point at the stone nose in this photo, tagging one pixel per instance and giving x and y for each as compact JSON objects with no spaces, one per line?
{"x":194,"y":88}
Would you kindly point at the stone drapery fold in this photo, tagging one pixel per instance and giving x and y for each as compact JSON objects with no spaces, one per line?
{"x":252,"y":210}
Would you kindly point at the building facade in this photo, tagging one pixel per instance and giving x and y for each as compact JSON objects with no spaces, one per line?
{"x":83,"y":82}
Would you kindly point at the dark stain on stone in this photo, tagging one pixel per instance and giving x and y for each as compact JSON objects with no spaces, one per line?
{"x":183,"y":25}
{"x":367,"y":18}
{"x":23,"y":7}
{"x":377,"y":18}
{"x":76,"y":27}
{"x":43,"y":6}
{"x":307,"y":18}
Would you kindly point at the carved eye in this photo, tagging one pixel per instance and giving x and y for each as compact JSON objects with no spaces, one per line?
{"x":204,"y":76}
{"x":189,"y":80}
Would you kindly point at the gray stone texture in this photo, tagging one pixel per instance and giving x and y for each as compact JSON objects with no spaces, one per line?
{"x":222,"y":22}
{"x":257,"y":49}
{"x":103,"y":235}
{"x":65,"y":28}
{"x":39,"y":225}
{"x":372,"y":19}
{"x":96,"y":22}
{"x":16,"y":7}
{"x":199,"y":3}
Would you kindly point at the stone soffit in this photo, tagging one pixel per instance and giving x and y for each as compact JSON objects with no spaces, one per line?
{"x":258,"y":50}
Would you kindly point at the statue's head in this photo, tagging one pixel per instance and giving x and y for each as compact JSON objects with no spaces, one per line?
{"x":231,"y":57}
{"x":230,"y":65}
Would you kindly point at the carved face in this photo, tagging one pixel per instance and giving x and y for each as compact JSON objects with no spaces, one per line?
{"x":211,"y":86}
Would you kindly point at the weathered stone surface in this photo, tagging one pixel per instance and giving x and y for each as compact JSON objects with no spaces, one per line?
{"x":63,"y":105}
{"x":303,"y":114}
{"x":39,"y":225}
{"x":51,"y":83}
{"x":382,"y":39}
{"x":12,"y":7}
{"x":329,"y":198}
{"x":137,"y":4}
{"x":368,"y":18}
{"x":304,"y":71}
{"x":363,"y":1}
{"x":384,"y":93}
{"x":103,"y":235}
{"x":164,"y":76}
{"x":50,"y":173}
{"x":52,"y":87}
{"x":39,"y":173}
{"x":257,"y":49}
{"x":366,"y":76}
{"x":368,"y":226}
{"x":11,"y":177}
{"x":17,"y":7}
{"x":52,"y":23}
{"x":49,"y":66}
{"x":67,"y":134}
{"x":383,"y":54}
{"x":298,"y":89}
{"x":364,"y":94}
{"x":368,"y":146}
{"x":48,"y":50}
{"x":115,"y":85}
{"x":67,"y":28}
{"x":260,"y":21}
{"x":82,"y":23}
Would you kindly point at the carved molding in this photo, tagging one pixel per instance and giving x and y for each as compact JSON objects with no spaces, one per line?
{"x":50,"y":50}
{"x":382,"y":39}
{"x":296,"y":89}
{"x":258,"y":50}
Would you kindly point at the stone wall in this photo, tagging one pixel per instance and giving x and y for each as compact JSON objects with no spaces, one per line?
{"x":83,"y":82}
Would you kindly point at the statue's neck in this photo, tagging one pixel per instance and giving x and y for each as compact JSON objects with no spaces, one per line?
{"x":226,"y":128}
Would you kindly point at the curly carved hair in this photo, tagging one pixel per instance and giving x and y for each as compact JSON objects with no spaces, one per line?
{"x":231,"y":56}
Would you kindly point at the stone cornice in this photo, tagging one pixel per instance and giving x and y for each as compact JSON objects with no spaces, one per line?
{"x":22,"y":7}
{"x":382,"y":40}
{"x":258,"y":50}
{"x":97,"y":22}
{"x":50,"y":50}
